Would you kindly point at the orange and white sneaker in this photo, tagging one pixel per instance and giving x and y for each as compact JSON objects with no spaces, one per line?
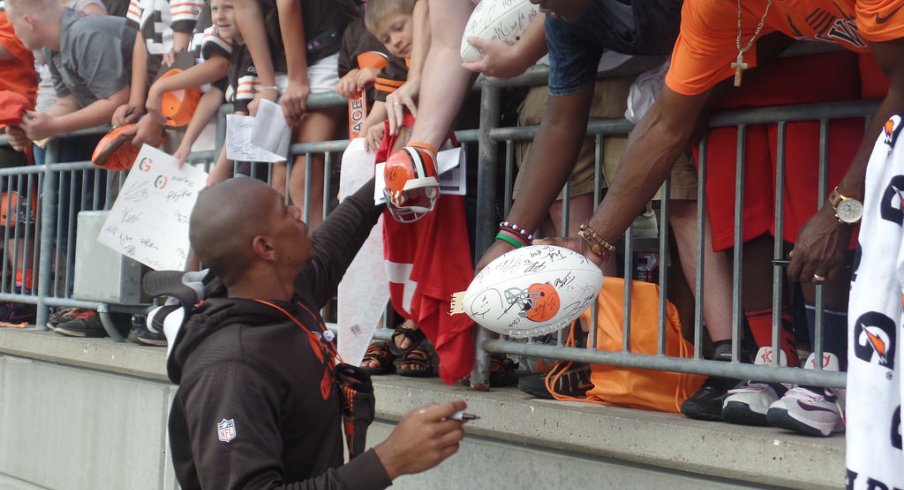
{"x":412,"y":185}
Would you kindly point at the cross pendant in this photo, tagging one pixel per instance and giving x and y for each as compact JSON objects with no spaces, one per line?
{"x":739,"y":66}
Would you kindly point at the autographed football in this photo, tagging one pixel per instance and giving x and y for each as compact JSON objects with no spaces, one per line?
{"x":531,"y":291}
{"x":501,"y":20}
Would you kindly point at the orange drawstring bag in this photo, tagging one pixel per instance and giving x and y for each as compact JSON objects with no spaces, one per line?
{"x":664,"y":391}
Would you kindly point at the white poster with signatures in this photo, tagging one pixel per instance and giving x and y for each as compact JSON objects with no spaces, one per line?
{"x":149,"y":220}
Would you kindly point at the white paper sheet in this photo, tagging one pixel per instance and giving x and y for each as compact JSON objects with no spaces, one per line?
{"x":452,"y":174}
{"x":239,"y":144}
{"x":149,"y":220}
{"x":364,"y":290}
{"x":270,"y":130}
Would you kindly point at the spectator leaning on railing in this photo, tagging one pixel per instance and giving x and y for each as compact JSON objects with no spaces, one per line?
{"x":47,"y":95}
{"x":89,"y":58}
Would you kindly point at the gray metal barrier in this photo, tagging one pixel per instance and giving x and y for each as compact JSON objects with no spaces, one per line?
{"x":37,"y":241}
{"x":823,"y":113}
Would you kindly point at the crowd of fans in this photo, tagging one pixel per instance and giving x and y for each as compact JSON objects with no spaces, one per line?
{"x":84,"y":63}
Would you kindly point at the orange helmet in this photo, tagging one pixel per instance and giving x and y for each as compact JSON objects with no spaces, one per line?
{"x":178,"y":106}
{"x":115,"y":150}
{"x":412,"y":188}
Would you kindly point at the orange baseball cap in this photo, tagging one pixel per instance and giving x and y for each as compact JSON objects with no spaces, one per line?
{"x":178,"y":106}
{"x":373,"y":59}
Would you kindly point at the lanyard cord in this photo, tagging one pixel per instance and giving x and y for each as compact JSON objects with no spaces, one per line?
{"x":312,"y":337}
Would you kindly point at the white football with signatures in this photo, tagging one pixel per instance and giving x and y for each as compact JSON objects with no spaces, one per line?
{"x":532,"y":291}
{"x":500,"y":20}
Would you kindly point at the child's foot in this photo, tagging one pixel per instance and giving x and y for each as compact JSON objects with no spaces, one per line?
{"x":378,"y":359}
{"x":406,"y":337}
{"x":418,"y":363}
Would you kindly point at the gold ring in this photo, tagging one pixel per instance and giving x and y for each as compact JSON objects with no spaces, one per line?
{"x":818,"y":278}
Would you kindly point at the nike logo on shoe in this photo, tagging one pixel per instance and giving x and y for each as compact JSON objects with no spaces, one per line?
{"x":814,"y":408}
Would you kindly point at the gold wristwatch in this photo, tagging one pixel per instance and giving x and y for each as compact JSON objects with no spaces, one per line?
{"x":848,"y":210}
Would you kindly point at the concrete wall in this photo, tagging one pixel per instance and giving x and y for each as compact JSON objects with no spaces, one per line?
{"x":91,"y":414}
{"x":68,"y":427}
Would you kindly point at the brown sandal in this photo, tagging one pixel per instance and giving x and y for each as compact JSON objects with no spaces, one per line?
{"x":422,"y":359}
{"x":378,"y":351}
{"x":414,"y":335}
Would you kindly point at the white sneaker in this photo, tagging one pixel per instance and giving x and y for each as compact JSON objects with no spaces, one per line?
{"x":645,"y":225}
{"x":748,"y":404}
{"x":811,"y":410}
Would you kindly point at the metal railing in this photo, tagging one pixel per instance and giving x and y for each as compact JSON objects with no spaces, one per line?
{"x":41,"y":239}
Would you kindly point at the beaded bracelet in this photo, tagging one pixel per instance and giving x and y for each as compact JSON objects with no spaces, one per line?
{"x":509,"y":239}
{"x":515,"y":236}
{"x":508,"y":225}
{"x":598,"y":245}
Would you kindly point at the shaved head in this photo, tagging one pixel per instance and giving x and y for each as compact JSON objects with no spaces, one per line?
{"x":225,"y":221}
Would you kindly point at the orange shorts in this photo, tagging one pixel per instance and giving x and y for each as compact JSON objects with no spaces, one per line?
{"x":785,"y":81}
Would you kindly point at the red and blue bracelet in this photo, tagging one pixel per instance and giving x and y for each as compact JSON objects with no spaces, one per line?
{"x":519,"y":231}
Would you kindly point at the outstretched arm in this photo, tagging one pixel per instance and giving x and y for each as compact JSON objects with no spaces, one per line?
{"x":336,"y":242}
{"x":66,"y":116}
{"x":294,"y":100}
{"x":251,"y":25}
{"x":653,"y":147}
{"x":207,"y":108}
{"x":406,"y":95}
{"x":823,"y":241}
{"x":208,"y":71}
{"x":549,"y":163}
{"x":128,"y":112}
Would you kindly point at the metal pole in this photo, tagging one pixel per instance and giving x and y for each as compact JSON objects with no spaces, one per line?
{"x":663,"y":262}
{"x":701,"y":243}
{"x":48,"y":218}
{"x":778,"y":251}
{"x":820,"y":198}
{"x":486,"y":211}
{"x":598,"y":157}
{"x":737,"y":308}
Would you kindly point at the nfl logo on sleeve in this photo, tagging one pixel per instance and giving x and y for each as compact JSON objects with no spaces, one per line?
{"x":226,"y":430}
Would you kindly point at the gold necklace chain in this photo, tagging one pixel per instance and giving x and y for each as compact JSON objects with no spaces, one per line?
{"x":738,"y":65}
{"x":759,"y":28}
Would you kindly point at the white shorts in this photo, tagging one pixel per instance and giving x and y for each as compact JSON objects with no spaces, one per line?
{"x":322,"y":76}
